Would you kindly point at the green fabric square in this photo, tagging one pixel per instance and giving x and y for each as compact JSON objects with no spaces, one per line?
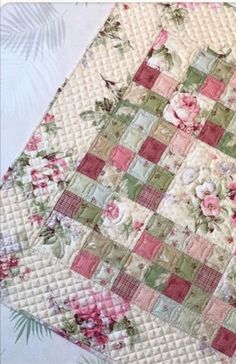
{"x":184,"y":319}
{"x":125,"y":111}
{"x":154,"y":103}
{"x":196,"y":299}
{"x":230,"y":321}
{"x":96,"y":243}
{"x":159,"y":226}
{"x":187,"y":267}
{"x":130,"y":187}
{"x":222,"y":70}
{"x":194,"y":79}
{"x":160,"y":178}
{"x":221,"y":115}
{"x":82,"y":185}
{"x":132,"y":139}
{"x":116,"y":255}
{"x":156,"y":277}
{"x":113,"y":130}
{"x":88,"y":215}
{"x":227,"y":144}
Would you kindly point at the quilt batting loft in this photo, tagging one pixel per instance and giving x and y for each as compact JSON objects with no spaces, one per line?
{"x":119,"y":217}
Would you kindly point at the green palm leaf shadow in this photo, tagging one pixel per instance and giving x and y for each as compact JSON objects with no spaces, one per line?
{"x":28,"y":28}
{"x":26,"y":326}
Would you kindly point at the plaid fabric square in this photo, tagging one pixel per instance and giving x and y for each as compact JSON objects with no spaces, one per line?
{"x":125,"y":286}
{"x":68,"y":204}
{"x":207,"y":279}
{"x":150,"y":198}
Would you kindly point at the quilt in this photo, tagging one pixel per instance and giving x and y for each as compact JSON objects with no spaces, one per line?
{"x":119,"y":217}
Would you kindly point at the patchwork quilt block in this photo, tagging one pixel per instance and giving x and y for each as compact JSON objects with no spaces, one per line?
{"x":144,"y":227}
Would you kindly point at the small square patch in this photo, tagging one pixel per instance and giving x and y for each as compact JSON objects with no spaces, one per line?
{"x":154,"y":103}
{"x":96,"y":244}
{"x":132,"y":139}
{"x":163,"y":131}
{"x":205,"y":61}
{"x":116,"y":255}
{"x":176,"y":288}
{"x":125,"y":286}
{"x":159,"y":226}
{"x":156,"y":277}
{"x":168,"y":257}
{"x":207,"y":279}
{"x":147,"y":246}
{"x":221,"y":115}
{"x":227,"y":144}
{"x":165,"y":85}
{"x":105,"y":274}
{"x":136,"y":266}
{"x":91,"y":166}
{"x":140,"y":168}
{"x":230,"y":321}
{"x":68,"y":204}
{"x":181,"y":143}
{"x":101,"y":196}
{"x":143,"y":121}
{"x":194,"y":79}
{"x":82,"y":185}
{"x":187,"y":267}
{"x":199,"y":248}
{"x":184,"y":319}
{"x":222,"y":70}
{"x":212,"y":88}
{"x":211,"y":133}
{"x":165,"y":308}
{"x":178,"y":237}
{"x":88,"y":215}
{"x":216,"y":310}
{"x":85,"y":264}
{"x":218,"y":258}
{"x":130,"y":187}
{"x":121,"y":157}
{"x":152,"y":150}
{"x":196,"y":299}
{"x":145,"y":297}
{"x":225,"y":341}
{"x":146,"y":75}
{"x":102,"y":147}
{"x":160,"y":178}
{"x":113,"y":130}
{"x":150,"y":198}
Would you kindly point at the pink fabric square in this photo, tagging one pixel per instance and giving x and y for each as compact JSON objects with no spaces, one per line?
{"x":199,"y":248}
{"x":212,"y":88}
{"x":85,"y":264}
{"x":232,"y":81}
{"x":165,"y":85}
{"x":225,"y":341}
{"x":121,"y":157}
{"x":146,"y":75}
{"x":145,"y":297}
{"x":147,"y":246}
{"x":216,"y":310}
{"x":181,"y":142}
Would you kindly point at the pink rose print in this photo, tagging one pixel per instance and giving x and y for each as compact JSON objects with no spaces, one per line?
{"x":49,"y":118}
{"x":211,"y":206}
{"x":7,"y":263}
{"x":137,"y":225}
{"x":36,"y":220}
{"x":161,"y":39}
{"x":111,"y":211}
{"x":33,"y":143}
{"x":182,"y":111}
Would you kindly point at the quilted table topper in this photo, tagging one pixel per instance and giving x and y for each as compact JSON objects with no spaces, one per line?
{"x":119,"y":217}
